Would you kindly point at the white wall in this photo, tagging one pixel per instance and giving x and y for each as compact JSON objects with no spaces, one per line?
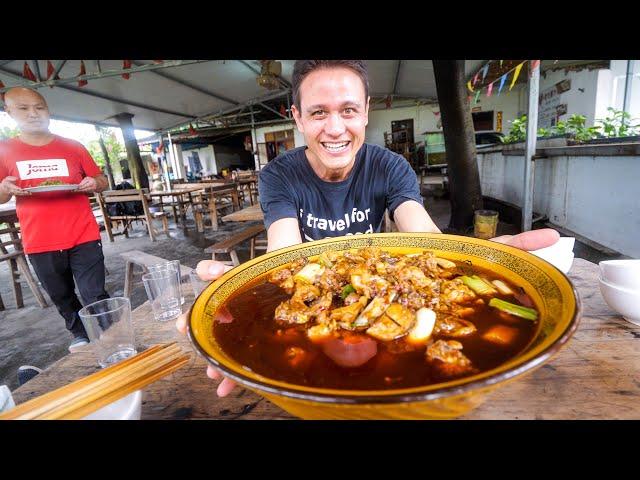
{"x":594,"y":196}
{"x":207,"y":158}
{"x":380,"y":122}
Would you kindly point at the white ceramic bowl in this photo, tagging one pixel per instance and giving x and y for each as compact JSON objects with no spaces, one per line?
{"x":126,"y":408}
{"x":624,"y":301}
{"x":623,"y":273}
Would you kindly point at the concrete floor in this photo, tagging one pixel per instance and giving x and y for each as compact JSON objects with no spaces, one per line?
{"x":35,"y":336}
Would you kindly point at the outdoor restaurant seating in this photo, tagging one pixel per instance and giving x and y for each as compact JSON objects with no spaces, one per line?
{"x":18,"y":266}
{"x":229,"y":244}
{"x":124,"y":218}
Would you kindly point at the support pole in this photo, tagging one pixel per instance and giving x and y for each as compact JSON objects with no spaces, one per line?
{"x":530,"y":151}
{"x":133,"y":152}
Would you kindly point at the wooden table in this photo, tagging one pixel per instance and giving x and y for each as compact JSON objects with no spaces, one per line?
{"x":178,"y":193}
{"x":248,"y":214}
{"x":595,"y":376}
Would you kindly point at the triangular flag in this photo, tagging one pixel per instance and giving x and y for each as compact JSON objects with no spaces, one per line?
{"x":50,"y":69}
{"x":515,"y":75}
{"x":83,"y":71}
{"x":388,"y":101}
{"x":469,"y":86}
{"x":475,"y":100}
{"x":504,"y":77}
{"x":489,"y":89}
{"x":192,"y":130}
{"x":437,"y":114}
{"x":126,"y":64}
{"x":484,"y":71}
{"x":27,"y":73}
{"x":283,"y":111}
{"x":475,"y":78}
{"x":1,"y":94}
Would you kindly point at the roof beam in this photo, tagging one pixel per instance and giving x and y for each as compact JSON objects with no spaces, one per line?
{"x":103,"y":96}
{"x":191,"y":85}
{"x":395,"y":82}
{"x":58,"y":67}
{"x":257,"y":72}
{"x":36,"y":69}
{"x":103,"y":74}
{"x":219,"y":113}
{"x":273,"y":110}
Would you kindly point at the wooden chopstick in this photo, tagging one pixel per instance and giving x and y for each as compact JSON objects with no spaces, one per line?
{"x":58,"y":397}
{"x":126,"y":390}
{"x":118,"y":382}
{"x":104,"y":382}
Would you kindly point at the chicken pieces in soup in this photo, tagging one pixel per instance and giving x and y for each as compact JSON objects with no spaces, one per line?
{"x":370,"y":319}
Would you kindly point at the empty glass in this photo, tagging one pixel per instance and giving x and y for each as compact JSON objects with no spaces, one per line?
{"x":108,"y":324}
{"x":163,"y":290}
{"x":176,"y":265}
{"x":197,"y":284}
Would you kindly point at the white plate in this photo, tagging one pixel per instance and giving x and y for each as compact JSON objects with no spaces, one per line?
{"x":125,"y":408}
{"x":52,"y":188}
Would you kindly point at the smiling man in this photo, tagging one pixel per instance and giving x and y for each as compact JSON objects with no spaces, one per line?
{"x":59,"y":231}
{"x":337,"y":184}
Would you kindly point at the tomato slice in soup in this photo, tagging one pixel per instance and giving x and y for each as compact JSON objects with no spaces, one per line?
{"x":350,"y":351}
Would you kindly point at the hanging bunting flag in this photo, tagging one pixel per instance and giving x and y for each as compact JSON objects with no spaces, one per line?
{"x":283,"y":111}
{"x":437,"y":114}
{"x":388,"y":101}
{"x":504,"y":77}
{"x":475,"y":78}
{"x":50,"y":69}
{"x":489,"y":89}
{"x":469,"y":86}
{"x":484,"y":71}
{"x":475,"y":100}
{"x":83,"y":71}
{"x":27,"y":73}
{"x":126,"y":64}
{"x":515,"y":75}
{"x":192,"y":130}
{"x":501,"y":63}
{"x":1,"y":94}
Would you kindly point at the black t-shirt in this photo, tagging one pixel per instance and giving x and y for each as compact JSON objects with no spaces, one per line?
{"x":380,"y":179}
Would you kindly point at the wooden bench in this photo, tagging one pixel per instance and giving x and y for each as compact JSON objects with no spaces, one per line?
{"x":229,"y":245}
{"x":143,"y":260}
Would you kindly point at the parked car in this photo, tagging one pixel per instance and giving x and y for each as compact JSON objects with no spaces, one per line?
{"x":488,"y":138}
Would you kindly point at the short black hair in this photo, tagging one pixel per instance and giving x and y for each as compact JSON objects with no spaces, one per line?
{"x":302,"y":68}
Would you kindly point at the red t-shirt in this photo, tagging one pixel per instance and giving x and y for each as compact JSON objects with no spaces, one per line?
{"x":51,"y":220}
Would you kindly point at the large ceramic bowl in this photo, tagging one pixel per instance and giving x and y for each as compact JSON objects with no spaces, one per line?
{"x":550,"y":289}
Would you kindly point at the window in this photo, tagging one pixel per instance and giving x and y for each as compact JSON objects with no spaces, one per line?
{"x":274,"y":144}
{"x":482,"y":121}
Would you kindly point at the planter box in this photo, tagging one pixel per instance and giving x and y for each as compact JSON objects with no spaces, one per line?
{"x":607,"y":141}
{"x":541,"y":142}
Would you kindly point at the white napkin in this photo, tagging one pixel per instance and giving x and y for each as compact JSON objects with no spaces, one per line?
{"x":6,"y":399}
{"x":560,"y":254}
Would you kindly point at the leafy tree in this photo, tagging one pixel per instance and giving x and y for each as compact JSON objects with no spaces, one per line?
{"x":6,"y":132}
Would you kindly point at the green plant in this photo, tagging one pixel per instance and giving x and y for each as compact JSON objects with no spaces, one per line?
{"x":576,"y":127}
{"x":618,"y":124}
{"x":6,"y":132}
{"x":518,"y":131}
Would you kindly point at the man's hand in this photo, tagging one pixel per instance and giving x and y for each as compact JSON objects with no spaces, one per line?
{"x":8,"y":188}
{"x":532,"y":240}
{"x":87,"y":185}
{"x":209,"y":270}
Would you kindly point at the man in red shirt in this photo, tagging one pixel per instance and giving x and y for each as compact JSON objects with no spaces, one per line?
{"x":60,"y":234}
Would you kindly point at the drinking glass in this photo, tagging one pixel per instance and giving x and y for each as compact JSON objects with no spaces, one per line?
{"x":163,"y":291}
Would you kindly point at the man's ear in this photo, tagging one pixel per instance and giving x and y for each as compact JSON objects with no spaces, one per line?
{"x":297,"y":117}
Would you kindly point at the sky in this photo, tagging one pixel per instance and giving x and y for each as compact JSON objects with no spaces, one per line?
{"x":82,"y":132}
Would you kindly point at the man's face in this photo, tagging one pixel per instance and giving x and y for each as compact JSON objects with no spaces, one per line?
{"x":333,"y":116}
{"x":29,"y":110}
